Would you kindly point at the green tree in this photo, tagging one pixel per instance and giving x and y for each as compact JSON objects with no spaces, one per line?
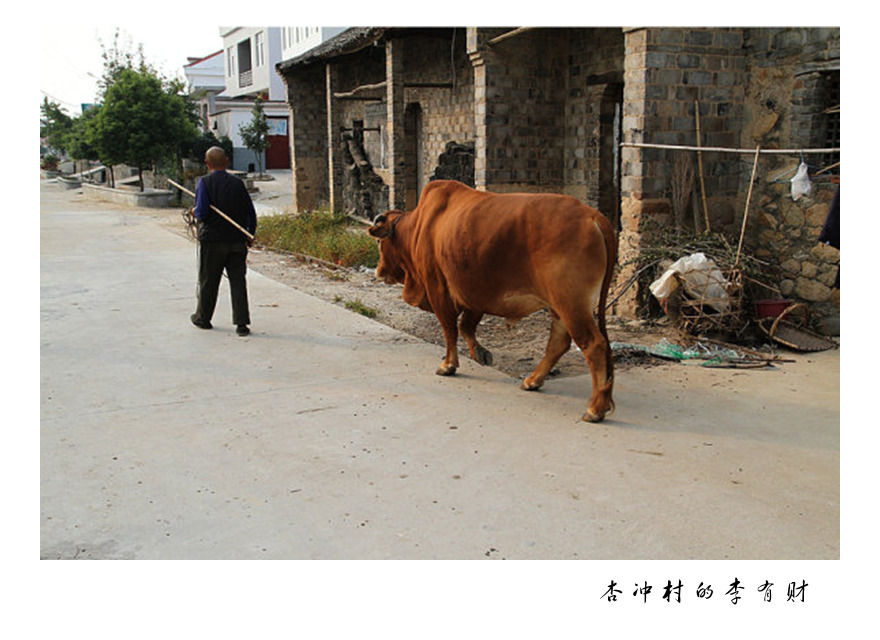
{"x":79,"y":145}
{"x":255,"y":134}
{"x":117,"y":58}
{"x":140,"y":122}
{"x":55,"y":124}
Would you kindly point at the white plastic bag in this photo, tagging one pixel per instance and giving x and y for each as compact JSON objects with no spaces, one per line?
{"x":702,"y":279}
{"x":800,"y":184}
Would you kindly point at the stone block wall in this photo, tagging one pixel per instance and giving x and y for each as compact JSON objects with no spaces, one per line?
{"x":669,"y":73}
{"x":794,"y":72}
{"x":594,"y":76}
{"x":447,"y":108}
{"x":519,"y":95}
{"x":308,"y":139}
{"x":541,"y":107}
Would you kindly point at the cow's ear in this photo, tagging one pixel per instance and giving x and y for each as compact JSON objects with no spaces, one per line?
{"x":380,"y":228}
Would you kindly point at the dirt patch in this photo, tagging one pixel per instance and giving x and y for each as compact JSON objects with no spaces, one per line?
{"x":516,"y":350}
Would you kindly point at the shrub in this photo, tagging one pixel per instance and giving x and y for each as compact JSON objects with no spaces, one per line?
{"x":319,"y":234}
{"x":49,"y":162}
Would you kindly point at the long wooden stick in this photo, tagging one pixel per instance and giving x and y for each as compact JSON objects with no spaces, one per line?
{"x":742,"y":233}
{"x":681,"y":147}
{"x":700,"y":164}
{"x":216,"y":210}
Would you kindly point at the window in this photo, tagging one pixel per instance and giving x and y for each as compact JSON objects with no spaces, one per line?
{"x":245,"y":73}
{"x":260,"y":49}
{"x":230,"y":62}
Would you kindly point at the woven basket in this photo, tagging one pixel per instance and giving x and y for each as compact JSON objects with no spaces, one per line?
{"x":702,"y":311}
{"x":792,"y":333}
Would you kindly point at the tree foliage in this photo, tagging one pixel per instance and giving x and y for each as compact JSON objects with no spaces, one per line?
{"x":255,"y":134}
{"x":140,"y":122}
{"x":79,"y":144}
{"x":142,"y":119}
{"x":55,"y":125}
{"x":119,"y":57}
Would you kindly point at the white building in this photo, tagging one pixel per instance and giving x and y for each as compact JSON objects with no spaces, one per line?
{"x":204,"y":81}
{"x":225,"y":84}
{"x":297,"y":40}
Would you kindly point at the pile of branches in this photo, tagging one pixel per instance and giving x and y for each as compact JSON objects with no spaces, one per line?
{"x":665,"y":246}
{"x":671,"y":245}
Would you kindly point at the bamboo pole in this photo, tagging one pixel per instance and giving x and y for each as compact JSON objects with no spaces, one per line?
{"x":700,"y":165}
{"x":742,"y":233}
{"x":216,"y":210}
{"x":679,"y":147}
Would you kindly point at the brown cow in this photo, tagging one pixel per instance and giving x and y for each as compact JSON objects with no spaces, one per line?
{"x":463,"y":252}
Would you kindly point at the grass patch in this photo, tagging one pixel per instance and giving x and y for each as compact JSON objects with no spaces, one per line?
{"x":359,"y":307}
{"x":319,"y":234}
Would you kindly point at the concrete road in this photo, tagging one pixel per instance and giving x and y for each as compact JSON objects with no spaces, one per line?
{"x":327,"y":435}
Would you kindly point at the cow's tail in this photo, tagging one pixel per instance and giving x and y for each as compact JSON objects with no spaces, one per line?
{"x":610,"y":239}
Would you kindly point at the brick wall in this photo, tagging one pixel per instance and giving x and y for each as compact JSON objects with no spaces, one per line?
{"x":668,"y":74}
{"x":540,"y":107}
{"x":521,"y":89}
{"x":308,"y":139}
{"x":594,"y":76}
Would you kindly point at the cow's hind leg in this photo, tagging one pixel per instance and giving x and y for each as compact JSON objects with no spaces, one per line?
{"x":586,"y":334}
{"x":468,"y":326}
{"x":597,"y":352}
{"x":557,"y":345}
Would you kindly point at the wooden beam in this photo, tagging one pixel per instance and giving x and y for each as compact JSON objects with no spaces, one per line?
{"x":509,"y":34}
{"x":365,"y":87}
{"x":353,"y":94}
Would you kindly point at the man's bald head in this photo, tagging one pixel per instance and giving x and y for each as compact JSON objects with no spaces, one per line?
{"x":216,"y":158}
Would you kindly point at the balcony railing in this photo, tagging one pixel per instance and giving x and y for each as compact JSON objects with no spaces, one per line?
{"x":245,"y":78}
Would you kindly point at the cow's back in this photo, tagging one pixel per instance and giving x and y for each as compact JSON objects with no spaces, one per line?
{"x":510,"y":254}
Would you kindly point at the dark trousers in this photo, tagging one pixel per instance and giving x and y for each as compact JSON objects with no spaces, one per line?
{"x":214,"y":257}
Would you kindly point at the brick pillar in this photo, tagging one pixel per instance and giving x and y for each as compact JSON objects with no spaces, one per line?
{"x":480,"y":58}
{"x":308,"y":139}
{"x":335,"y":167}
{"x":394,"y":56}
{"x":632,"y":165}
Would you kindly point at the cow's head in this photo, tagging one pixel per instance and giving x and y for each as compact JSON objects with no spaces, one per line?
{"x":390,"y":267}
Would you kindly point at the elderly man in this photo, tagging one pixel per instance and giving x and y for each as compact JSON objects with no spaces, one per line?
{"x":221,"y":245}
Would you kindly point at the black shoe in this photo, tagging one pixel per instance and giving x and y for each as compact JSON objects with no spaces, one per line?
{"x":242,"y":330}
{"x":201,"y":324}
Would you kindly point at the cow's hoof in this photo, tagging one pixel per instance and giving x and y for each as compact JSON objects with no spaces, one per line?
{"x":444,"y":370}
{"x":589,"y":416}
{"x":483,"y":356}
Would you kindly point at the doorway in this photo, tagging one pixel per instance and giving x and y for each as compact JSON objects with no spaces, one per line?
{"x":412,"y":133}
{"x":610,"y":132}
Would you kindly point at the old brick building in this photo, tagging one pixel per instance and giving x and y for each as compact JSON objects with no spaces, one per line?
{"x":377,"y":112}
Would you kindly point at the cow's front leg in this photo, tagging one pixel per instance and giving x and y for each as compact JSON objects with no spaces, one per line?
{"x":469,"y":322}
{"x":448,"y":317}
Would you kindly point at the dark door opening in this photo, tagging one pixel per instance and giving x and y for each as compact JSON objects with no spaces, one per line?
{"x":610,"y":131}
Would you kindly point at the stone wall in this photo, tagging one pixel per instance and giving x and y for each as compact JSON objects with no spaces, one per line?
{"x":754,"y":87}
{"x":790,"y":86}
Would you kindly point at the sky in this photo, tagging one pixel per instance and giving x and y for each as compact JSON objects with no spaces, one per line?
{"x":70,"y":58}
